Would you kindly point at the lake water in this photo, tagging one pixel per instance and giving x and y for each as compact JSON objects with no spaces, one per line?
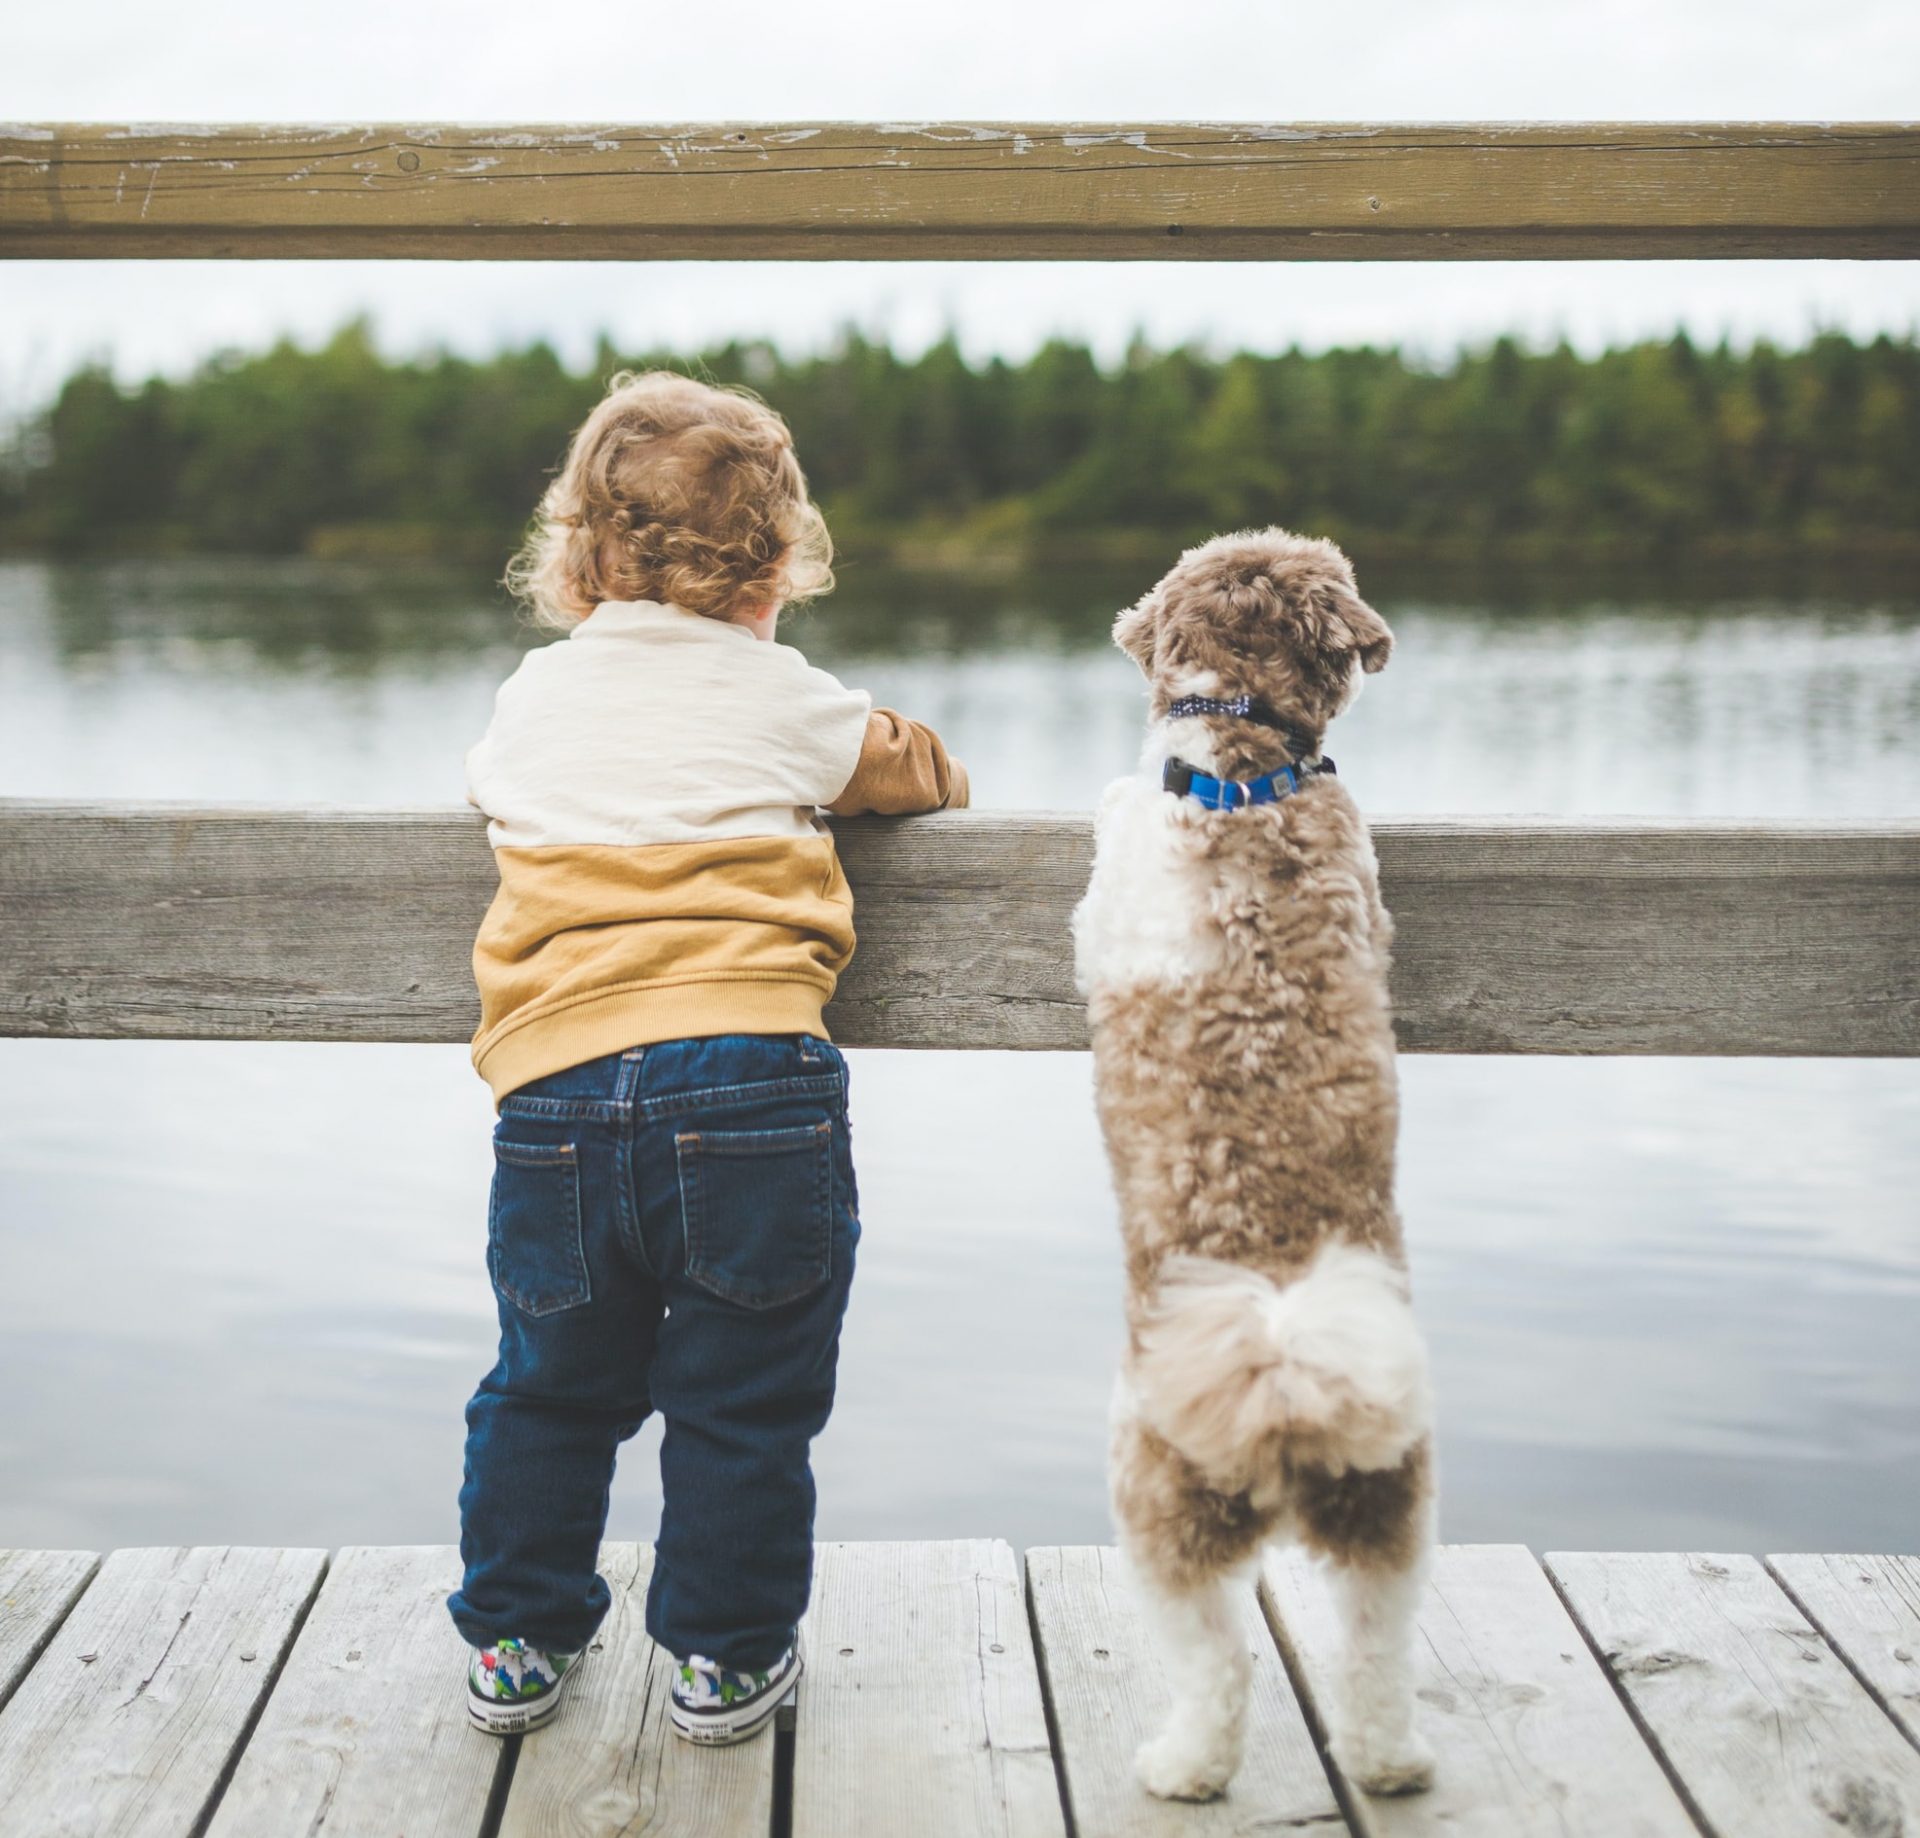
{"x":1672,"y":1303}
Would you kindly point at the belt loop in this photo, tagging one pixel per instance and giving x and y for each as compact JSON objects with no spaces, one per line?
{"x":628,"y":1083}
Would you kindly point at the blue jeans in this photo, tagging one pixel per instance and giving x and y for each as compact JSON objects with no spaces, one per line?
{"x":673,"y":1229}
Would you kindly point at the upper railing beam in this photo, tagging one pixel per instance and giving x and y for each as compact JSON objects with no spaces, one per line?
{"x":969,"y":190}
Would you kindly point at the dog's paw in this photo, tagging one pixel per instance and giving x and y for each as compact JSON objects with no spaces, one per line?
{"x":1404,"y":1766}
{"x":1171,"y":1767}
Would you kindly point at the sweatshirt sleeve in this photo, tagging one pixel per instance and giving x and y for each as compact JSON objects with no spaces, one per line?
{"x":903,"y":768}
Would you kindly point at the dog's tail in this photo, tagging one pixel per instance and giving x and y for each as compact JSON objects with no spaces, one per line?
{"x":1329,"y":1369}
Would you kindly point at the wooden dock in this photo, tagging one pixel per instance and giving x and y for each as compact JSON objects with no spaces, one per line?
{"x":227,"y":1693}
{"x":243,"y":1693}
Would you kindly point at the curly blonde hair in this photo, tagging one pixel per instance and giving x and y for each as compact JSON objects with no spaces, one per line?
{"x":675,"y":491}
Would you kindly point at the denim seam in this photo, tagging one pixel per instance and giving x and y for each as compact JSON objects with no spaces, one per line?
{"x":583,"y":1110}
{"x":626,"y":1199}
{"x":819,"y":1085}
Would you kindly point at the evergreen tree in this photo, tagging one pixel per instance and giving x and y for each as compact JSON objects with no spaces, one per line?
{"x":1647,"y":449}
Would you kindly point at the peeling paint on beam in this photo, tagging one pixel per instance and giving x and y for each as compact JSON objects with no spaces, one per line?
{"x":966,"y":190}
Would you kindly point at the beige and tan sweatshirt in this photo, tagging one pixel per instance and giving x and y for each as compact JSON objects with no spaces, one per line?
{"x":652,"y":785}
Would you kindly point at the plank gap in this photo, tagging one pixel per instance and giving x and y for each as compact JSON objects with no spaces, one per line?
{"x":1043,"y":1665}
{"x":137,"y":1710}
{"x":225,"y":1779}
{"x":1105,"y":1676}
{"x":1344,"y":1794}
{"x":1749,"y":1701}
{"x":67,"y":1575}
{"x":365,"y":1729}
{"x":1842,"y":1643}
{"x":495,"y":1809}
{"x":1527,"y":1735}
{"x":780,"y":1817}
{"x":1654,"y":1746}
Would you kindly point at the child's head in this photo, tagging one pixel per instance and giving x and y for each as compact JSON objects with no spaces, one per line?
{"x":678,"y":492}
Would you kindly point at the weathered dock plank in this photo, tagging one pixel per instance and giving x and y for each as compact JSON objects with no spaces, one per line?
{"x":37,"y":1588}
{"x":610,"y":1766}
{"x":1106,"y":1693}
{"x":921,"y":1709}
{"x":1530,"y":1737}
{"x":995,"y":191}
{"x":1869,"y":1610}
{"x":1764,"y":1727}
{"x":1727,"y":1710}
{"x":366,"y":1734}
{"x":1577,"y":936}
{"x":130,"y":1719}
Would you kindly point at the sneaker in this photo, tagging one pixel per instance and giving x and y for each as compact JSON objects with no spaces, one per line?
{"x":513,"y":1687}
{"x":713,"y":1704}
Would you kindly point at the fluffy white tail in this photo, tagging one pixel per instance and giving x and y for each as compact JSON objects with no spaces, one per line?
{"x":1232,"y":1367}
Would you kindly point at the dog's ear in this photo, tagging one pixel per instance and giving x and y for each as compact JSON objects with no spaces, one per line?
{"x":1353,"y":626}
{"x":1136,"y":629}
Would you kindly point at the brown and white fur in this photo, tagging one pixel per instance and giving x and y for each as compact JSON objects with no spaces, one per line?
{"x":1235,"y":964}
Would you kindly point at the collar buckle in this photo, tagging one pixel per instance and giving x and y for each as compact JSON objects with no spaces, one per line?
{"x":1185,"y":781}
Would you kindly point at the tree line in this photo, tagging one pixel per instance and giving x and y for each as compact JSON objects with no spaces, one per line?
{"x":1641,"y":448}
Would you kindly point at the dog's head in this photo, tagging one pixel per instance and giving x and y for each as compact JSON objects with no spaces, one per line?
{"x":1261,"y":613}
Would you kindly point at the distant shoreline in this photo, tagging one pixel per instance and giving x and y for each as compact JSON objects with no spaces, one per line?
{"x":1646,"y":464}
{"x":1869,"y":557}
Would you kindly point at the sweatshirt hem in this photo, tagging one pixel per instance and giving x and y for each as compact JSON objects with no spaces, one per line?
{"x":591,"y":1029}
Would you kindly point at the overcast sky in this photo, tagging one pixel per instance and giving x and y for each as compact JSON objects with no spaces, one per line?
{"x":585,"y":60}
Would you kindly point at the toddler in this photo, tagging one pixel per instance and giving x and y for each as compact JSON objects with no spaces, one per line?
{"x":674,"y":1212}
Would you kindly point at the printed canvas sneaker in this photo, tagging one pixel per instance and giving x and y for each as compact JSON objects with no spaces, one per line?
{"x":714,"y":1704}
{"x":513,"y":1687}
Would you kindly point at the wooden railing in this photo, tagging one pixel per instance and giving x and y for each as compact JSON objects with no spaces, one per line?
{"x":1523,"y":937}
{"x":982,"y":191}
{"x":1513,"y":937}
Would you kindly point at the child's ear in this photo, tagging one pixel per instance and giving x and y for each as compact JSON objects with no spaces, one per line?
{"x":1354,"y":626}
{"x":1136,"y":629}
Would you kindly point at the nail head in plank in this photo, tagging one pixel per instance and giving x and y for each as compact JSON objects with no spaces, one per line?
{"x":37,"y":1588}
{"x":1763,"y":1725}
{"x":1106,"y":1689}
{"x":921,"y":1711}
{"x":1869,"y":1610}
{"x":366,"y":1731}
{"x":610,"y":1766}
{"x":1528,"y":1734}
{"x":129,"y":1720}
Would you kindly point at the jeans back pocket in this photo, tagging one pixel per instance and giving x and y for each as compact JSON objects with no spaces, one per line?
{"x":535,"y":1253}
{"x":758,"y":1210}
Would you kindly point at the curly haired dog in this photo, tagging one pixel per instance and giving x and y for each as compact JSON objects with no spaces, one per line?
{"x":1233,"y":949}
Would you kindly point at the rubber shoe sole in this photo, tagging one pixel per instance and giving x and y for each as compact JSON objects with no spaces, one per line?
{"x":716,"y":1728}
{"x":507,"y":1717}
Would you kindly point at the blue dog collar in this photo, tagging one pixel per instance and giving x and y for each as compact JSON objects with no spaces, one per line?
{"x":1236,"y":794}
